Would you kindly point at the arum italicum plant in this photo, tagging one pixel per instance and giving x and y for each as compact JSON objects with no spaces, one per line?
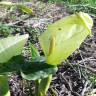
{"x":59,"y":41}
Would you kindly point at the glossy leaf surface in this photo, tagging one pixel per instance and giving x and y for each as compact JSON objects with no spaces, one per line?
{"x":37,"y":70}
{"x":29,"y":70}
{"x":13,"y":65}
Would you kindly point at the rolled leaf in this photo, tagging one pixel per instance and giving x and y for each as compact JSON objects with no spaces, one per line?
{"x":34,"y":52}
{"x":63,"y":37}
{"x":11,"y":46}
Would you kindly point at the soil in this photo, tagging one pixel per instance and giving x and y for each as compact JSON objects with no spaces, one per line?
{"x":73,"y":76}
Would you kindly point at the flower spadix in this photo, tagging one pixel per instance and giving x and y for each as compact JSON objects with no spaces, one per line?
{"x":63,"y":37}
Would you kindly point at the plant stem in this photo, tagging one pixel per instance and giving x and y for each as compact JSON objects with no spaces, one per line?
{"x":37,"y":87}
{"x":44,"y":85}
{"x":41,"y":86}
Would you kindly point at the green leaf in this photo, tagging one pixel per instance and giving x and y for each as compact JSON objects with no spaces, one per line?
{"x":37,"y":70}
{"x":13,"y":65}
{"x":34,"y":52}
{"x":4,"y":88}
{"x":26,"y":9}
{"x":38,"y":73}
{"x":11,"y":46}
{"x":63,"y":37}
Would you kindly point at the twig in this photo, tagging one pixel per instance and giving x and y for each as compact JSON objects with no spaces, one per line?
{"x":68,"y":86}
{"x":75,"y":93}
{"x":83,"y":63}
{"x":87,"y":67}
{"x":84,"y":90}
